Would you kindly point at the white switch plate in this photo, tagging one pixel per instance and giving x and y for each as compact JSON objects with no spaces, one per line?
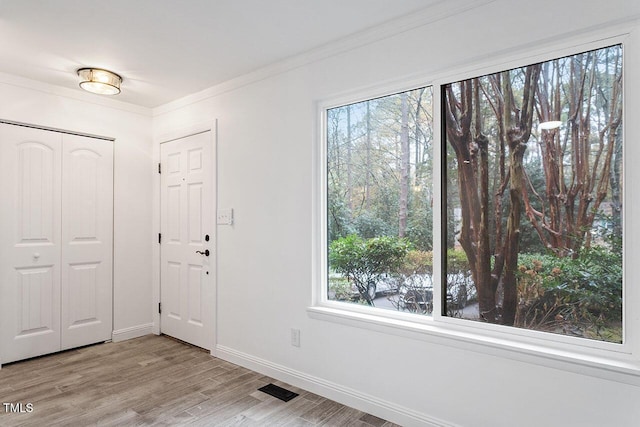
{"x":225,"y":216}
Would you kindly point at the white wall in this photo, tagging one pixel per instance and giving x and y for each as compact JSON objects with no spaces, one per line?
{"x":265,"y":146}
{"x":35,"y":103}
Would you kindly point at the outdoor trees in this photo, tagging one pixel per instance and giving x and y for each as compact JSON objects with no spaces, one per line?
{"x":537,"y":155}
{"x":582,"y":163}
{"x":379,"y":168}
{"x":532,"y":193}
{"x":465,"y":124}
{"x":379,"y":185}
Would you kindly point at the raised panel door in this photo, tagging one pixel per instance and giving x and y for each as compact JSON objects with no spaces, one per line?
{"x":30,"y":244}
{"x":186,"y":217}
{"x":56,"y":228}
{"x":87,"y":218}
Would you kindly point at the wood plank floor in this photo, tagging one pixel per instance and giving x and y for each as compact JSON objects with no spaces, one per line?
{"x":155,"y":380}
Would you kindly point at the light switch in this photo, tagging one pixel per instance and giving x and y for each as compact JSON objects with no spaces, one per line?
{"x":225,"y":216}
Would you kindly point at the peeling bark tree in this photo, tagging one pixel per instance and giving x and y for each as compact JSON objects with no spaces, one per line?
{"x":574,"y":193}
{"x":464,"y":131}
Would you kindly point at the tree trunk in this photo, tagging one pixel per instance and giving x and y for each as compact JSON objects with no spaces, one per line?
{"x":483,"y":259}
{"x":512,"y":239}
{"x":367,"y":169}
{"x":518,"y":133}
{"x":349,"y":168}
{"x":574,"y":193}
{"x":404,"y":166}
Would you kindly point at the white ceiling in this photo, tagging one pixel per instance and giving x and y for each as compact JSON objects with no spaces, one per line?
{"x":166,"y":49}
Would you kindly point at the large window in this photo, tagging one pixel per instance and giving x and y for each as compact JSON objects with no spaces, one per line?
{"x":533,"y":198}
{"x":489,"y":211}
{"x":379,"y":202}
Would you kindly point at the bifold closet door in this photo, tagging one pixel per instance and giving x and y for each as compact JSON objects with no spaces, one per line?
{"x":56,"y":233}
{"x":30,"y":228}
{"x":87,"y":230}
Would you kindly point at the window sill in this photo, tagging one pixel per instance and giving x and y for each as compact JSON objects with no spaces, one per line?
{"x":609,"y":365}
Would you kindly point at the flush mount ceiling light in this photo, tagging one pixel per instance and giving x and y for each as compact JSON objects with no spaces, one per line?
{"x":97,"y":80}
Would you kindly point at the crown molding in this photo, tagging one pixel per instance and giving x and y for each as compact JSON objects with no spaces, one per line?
{"x":77,"y":95}
{"x":438,"y":11}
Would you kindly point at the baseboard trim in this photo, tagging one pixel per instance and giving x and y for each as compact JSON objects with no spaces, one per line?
{"x":132,"y":332}
{"x":345,"y":395}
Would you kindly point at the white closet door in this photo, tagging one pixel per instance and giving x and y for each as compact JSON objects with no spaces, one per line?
{"x":30,"y":249}
{"x":56,"y":222}
{"x":87,"y":223}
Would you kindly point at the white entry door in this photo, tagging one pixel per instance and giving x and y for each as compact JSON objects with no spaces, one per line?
{"x":55,"y":241}
{"x":186,"y":251}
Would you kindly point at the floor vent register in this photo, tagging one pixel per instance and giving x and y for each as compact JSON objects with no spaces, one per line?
{"x":278,"y":392}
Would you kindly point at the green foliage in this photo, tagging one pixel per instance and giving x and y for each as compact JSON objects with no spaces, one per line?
{"x":340,"y":288}
{"x":368,"y":226}
{"x":529,"y":240}
{"x":460,"y":286}
{"x":364,"y":179}
{"x":417,"y":262}
{"x":608,"y":230}
{"x":457,"y":262}
{"x":582,"y":295}
{"x":593,"y":280}
{"x":420,"y":227}
{"x":338,"y":218}
{"x":363,"y":261}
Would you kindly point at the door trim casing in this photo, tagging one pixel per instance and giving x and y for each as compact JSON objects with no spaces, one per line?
{"x":172,"y":135}
{"x":52,"y":129}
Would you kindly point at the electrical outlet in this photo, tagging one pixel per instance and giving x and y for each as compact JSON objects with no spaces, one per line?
{"x":295,"y":337}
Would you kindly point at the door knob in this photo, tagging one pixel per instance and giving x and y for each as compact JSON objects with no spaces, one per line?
{"x":205,"y":253}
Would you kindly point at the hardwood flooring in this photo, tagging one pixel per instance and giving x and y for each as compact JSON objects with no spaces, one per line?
{"x":155,"y":380}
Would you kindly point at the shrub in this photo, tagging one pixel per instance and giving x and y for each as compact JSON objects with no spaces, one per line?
{"x":417,"y":262}
{"x":457,"y":262}
{"x":363,"y":261}
{"x":583,"y":293}
{"x":368,"y":225}
{"x":593,"y":281}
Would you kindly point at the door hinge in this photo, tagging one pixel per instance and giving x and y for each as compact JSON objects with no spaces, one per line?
{"x":159,"y":237}
{"x":160,"y":307}
{"x":159,"y":167}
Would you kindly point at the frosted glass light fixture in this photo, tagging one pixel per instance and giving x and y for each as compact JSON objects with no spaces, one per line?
{"x":97,"y":80}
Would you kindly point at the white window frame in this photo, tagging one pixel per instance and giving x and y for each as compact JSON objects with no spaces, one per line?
{"x":619,"y":362}
{"x":323,"y":107}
